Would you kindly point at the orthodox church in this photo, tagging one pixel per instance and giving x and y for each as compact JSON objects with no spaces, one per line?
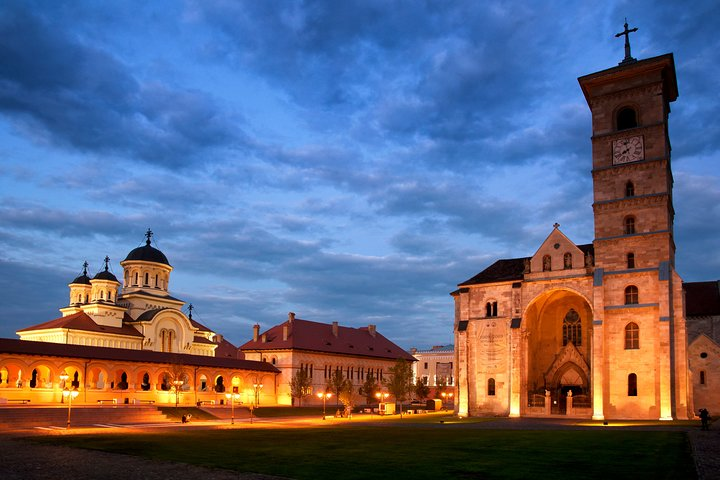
{"x":596,"y":330}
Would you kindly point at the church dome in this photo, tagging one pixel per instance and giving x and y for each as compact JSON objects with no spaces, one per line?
{"x":83,"y":278}
{"x":105,"y":275}
{"x":147,"y":253}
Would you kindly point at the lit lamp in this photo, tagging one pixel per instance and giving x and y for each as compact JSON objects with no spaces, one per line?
{"x":63,"y":377}
{"x":325,"y":396}
{"x":450,"y":400}
{"x":382,"y":397}
{"x":257,"y":387}
{"x":443,"y":395}
{"x":232,"y":397}
{"x":177,"y":384}
{"x":70,"y":394}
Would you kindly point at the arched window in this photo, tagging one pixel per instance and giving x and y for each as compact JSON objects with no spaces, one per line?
{"x":572,"y":328}
{"x":632,"y":336}
{"x":567,"y":261}
{"x":491,"y":387}
{"x":626,"y":118}
{"x":629,"y":189}
{"x":136,"y":279}
{"x":491,"y":309}
{"x":630,"y":260}
{"x":219,"y":386}
{"x":631,"y":295}
{"x":702,"y":377}
{"x":145,"y":385}
{"x":547,"y":263}
{"x":147,"y":279}
{"x":629,"y":225}
{"x":632,"y":385}
{"x":156,"y":281}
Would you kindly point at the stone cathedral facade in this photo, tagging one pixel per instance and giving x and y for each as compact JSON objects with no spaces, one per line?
{"x":594,"y":330}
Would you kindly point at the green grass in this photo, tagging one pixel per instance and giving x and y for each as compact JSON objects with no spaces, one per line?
{"x":413,"y":451}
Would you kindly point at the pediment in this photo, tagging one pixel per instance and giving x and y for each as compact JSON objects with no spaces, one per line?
{"x":555,"y":246}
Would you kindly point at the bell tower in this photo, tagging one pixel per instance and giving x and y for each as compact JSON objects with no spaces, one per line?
{"x":639,"y":327}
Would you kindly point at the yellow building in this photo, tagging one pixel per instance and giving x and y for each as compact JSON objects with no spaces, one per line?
{"x":128,"y":343}
{"x":591,"y":330}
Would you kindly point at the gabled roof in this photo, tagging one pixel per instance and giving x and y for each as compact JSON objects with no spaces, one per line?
{"x":82,"y":321}
{"x":702,"y":298}
{"x":25,"y":347}
{"x":510,"y":269}
{"x":318,"y":337}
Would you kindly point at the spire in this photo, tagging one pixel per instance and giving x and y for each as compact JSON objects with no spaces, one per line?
{"x":628,"y":58}
{"x":85,"y":265}
{"x":107,"y":262}
{"x":149,"y":234}
{"x":190,"y":309}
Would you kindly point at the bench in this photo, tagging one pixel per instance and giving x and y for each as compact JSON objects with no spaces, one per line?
{"x":149,"y":402}
{"x":200,"y":403}
{"x":24,"y":401}
{"x":109,"y":400}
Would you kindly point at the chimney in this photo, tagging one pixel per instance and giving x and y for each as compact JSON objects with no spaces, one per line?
{"x":264,"y":337}
{"x":371,"y":330}
{"x":335,"y":329}
{"x":256,"y":332}
{"x":291,"y":317}
{"x":285,"y":332}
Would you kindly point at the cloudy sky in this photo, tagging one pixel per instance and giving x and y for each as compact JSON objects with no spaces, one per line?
{"x":348,"y":161}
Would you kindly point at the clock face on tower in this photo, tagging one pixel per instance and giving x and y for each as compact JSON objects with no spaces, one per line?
{"x":629,"y":149}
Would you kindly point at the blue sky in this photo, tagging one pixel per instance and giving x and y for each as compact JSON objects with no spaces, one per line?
{"x":348,"y":161}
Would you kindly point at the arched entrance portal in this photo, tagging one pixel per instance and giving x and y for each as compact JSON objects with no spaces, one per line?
{"x":557,"y":345}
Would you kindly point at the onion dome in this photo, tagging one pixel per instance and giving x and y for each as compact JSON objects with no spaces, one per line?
{"x":148,"y":253}
{"x":106,"y":274}
{"x":83,"y":279}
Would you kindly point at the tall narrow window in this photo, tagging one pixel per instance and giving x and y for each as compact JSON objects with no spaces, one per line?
{"x":494,"y":309}
{"x":547,"y":263}
{"x":629,"y":225}
{"x":632,"y":336}
{"x":626,"y":118}
{"x":632,"y":385}
{"x":488,"y":309}
{"x":629,"y":189}
{"x":630,"y":260}
{"x":702,"y":377}
{"x":567,"y":261}
{"x":491,"y":387}
{"x":136,"y":279}
{"x":631,"y":295}
{"x":572,"y":328}
{"x":156,"y":281}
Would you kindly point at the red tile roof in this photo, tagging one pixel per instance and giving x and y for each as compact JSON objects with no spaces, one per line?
{"x":318,"y":337}
{"x":47,"y":349}
{"x":702,"y":298}
{"x":81,"y":321}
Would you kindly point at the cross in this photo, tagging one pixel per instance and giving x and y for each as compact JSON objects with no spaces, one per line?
{"x":628,"y":58}
{"x":149,"y":235}
{"x":85,"y":265}
{"x":190,"y":309}
{"x":107,"y":261}
{"x":556,"y":225}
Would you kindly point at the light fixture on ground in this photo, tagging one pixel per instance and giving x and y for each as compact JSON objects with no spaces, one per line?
{"x":70,"y":394}
{"x":232,"y":398}
{"x":325,"y":396}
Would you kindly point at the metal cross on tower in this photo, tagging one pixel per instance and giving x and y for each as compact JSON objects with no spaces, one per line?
{"x":149,"y":234}
{"x":628,"y":58}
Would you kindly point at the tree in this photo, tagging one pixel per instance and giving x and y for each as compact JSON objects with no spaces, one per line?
{"x":421,"y":388}
{"x":300,"y":384}
{"x":400,"y":382}
{"x":369,"y":388}
{"x":335,"y":384}
{"x":347,"y":396}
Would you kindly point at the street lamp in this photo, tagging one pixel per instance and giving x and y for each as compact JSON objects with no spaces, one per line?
{"x":443,"y":395}
{"x":70,"y":394}
{"x":382,"y":397}
{"x":450,"y":400}
{"x":325,"y":396}
{"x":177,"y":384}
{"x":257,"y":387}
{"x":232,"y":397}
{"x":63,"y":377}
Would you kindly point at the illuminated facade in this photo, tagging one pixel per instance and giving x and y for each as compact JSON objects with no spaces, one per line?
{"x":127,"y":343}
{"x":322,"y":349}
{"x":593,"y":330}
{"x":435,"y":366}
{"x":702,"y":300}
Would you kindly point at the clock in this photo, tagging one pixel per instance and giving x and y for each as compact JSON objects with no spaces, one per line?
{"x":629,"y":149}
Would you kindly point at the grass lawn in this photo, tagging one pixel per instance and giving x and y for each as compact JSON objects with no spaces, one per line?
{"x":413,"y":452}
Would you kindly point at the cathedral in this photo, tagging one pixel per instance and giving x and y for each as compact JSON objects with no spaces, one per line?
{"x":597,"y":330}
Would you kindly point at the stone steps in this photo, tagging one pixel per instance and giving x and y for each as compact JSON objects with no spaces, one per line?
{"x":24,"y":416}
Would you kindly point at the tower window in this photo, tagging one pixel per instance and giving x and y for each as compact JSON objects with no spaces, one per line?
{"x":702,"y":377}
{"x":632,"y":336}
{"x":626,"y":118}
{"x":632,"y":385}
{"x":572,"y":328}
{"x":629,"y":189}
{"x":136,"y":279}
{"x":631,"y":295}
{"x":629,"y":225}
{"x":491,"y":387}
{"x":147,"y":279}
{"x":491,"y":309}
{"x":567,"y":261}
{"x":630,"y":260}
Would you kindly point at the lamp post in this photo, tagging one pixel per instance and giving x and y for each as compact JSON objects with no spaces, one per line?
{"x":325,"y":396}
{"x":381,"y":396}
{"x":177,"y":384}
{"x":232,"y":397}
{"x":257,"y":387}
{"x":443,"y":395}
{"x":63,"y":377}
{"x":450,"y":399}
{"x":70,"y":394}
